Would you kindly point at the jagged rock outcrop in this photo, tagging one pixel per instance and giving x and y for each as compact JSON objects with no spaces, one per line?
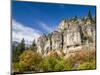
{"x":68,"y":35}
{"x":56,"y":40}
{"x":41,"y":43}
{"x":72,"y":37}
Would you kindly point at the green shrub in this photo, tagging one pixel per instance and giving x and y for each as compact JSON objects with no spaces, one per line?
{"x":87,"y":65}
{"x":32,"y":61}
{"x":18,"y":67}
{"x":44,"y":65}
{"x":54,"y":64}
{"x":63,"y":65}
{"x":48,"y":64}
{"x":28,"y":61}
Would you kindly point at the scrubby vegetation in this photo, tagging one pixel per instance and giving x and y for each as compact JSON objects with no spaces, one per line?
{"x":87,"y":65}
{"x":30,"y":61}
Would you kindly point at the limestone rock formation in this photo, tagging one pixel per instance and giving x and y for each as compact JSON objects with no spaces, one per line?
{"x":72,"y":37}
{"x":41,"y":42}
{"x":70,"y":34}
{"x":56,"y":40}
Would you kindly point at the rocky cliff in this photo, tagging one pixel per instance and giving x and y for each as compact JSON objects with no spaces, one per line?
{"x":70,"y":33}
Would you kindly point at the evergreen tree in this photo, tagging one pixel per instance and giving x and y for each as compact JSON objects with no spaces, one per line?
{"x":89,"y":15}
{"x":22,"y":45}
{"x":17,"y":51}
{"x":34,"y":46}
{"x":15,"y":54}
{"x":75,"y":18}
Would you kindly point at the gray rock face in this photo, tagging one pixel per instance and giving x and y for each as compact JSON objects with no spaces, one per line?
{"x":47,"y":47}
{"x":68,"y":34}
{"x":63,"y":25}
{"x":56,"y":41}
{"x":88,"y":33}
{"x":72,"y":37}
{"x":41,"y":42}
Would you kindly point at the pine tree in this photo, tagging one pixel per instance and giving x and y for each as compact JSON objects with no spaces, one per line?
{"x":34,"y":46}
{"x":75,"y":18}
{"x":17,"y":51}
{"x":89,"y":15}
{"x":22,"y":45}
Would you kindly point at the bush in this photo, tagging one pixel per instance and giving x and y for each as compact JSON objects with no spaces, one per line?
{"x":63,"y":65}
{"x":32,"y":61}
{"x":15,"y":67}
{"x":18,"y":67}
{"x":55,"y":64}
{"x":44,"y":65}
{"x":87,"y":65}
{"x":84,"y":59}
{"x":28,"y":61}
{"x":48,"y":64}
{"x":53,"y":54}
{"x":83,"y":56}
{"x":90,"y":56}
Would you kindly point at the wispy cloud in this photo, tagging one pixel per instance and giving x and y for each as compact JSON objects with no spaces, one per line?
{"x":20,"y":31}
{"x":46,"y":27}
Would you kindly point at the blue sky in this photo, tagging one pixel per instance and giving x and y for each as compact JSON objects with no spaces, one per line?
{"x":43,"y":17}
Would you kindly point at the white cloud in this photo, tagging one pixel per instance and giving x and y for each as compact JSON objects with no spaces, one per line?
{"x":20,"y":31}
{"x":47,"y":27}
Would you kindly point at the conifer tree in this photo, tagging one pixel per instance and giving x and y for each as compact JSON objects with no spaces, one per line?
{"x":34,"y":46}
{"x":22,"y":45}
{"x":89,"y":15}
{"x":18,"y":50}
